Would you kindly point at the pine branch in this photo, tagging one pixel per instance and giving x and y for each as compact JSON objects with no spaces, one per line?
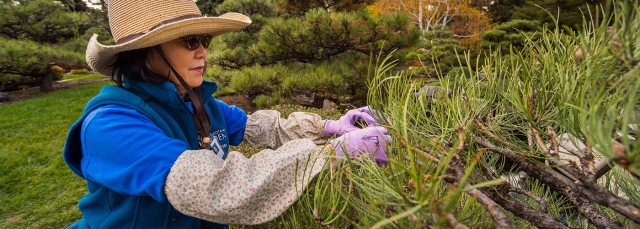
{"x":451,"y":219}
{"x":573,"y":191}
{"x":535,"y":217}
{"x":554,"y":141}
{"x":539,"y":141}
{"x":538,"y":218}
{"x":574,"y":173}
{"x":541,"y":202}
{"x":500,"y":219}
{"x":620,"y":157}
{"x":406,"y":145}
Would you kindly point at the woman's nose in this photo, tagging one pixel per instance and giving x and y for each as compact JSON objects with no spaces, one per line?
{"x":201,"y":52}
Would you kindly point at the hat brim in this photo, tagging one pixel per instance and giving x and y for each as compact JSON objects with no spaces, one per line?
{"x":100,"y":57}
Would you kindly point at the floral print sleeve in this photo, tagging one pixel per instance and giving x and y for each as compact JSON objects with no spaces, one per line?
{"x":242,"y":190}
{"x":265,"y":128}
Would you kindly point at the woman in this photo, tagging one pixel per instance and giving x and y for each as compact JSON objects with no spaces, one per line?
{"x":155,"y":148}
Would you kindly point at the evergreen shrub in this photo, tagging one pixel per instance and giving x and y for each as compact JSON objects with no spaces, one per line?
{"x":58,"y":72}
{"x":24,"y":62}
{"x":82,"y":71}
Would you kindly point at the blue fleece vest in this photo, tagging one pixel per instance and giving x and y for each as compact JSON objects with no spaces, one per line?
{"x":161,"y":103}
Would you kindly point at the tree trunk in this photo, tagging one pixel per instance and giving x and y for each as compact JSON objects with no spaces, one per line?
{"x":46,"y":84}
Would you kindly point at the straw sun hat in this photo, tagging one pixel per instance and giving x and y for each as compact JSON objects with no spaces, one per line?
{"x":139,"y":24}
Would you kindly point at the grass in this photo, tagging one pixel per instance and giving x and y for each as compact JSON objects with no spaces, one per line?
{"x":76,"y":77}
{"x":37,"y":189}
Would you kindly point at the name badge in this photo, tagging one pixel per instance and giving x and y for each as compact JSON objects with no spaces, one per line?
{"x":215,"y":147}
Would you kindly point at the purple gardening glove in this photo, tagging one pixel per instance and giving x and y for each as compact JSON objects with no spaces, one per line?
{"x":347,"y":122}
{"x":371,"y":140}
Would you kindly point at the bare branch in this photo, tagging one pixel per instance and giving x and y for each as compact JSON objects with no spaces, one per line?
{"x":460,"y":147}
{"x":535,"y":217}
{"x":530,"y":139}
{"x":554,"y":141}
{"x":454,"y":222}
{"x":500,"y":220}
{"x":539,"y":218}
{"x":620,"y":157}
{"x":587,"y":162}
{"x":573,"y":190}
{"x":492,"y":136}
{"x":539,"y":141}
{"x":541,"y":202}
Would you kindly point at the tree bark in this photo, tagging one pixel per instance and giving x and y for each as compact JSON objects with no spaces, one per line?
{"x":46,"y":83}
{"x":557,"y":182}
{"x":535,"y":217}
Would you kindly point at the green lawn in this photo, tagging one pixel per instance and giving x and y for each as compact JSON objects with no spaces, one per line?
{"x":73,"y":77}
{"x":37,"y":189}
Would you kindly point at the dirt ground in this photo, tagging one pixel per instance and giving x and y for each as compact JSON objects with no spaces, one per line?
{"x":33,"y":92}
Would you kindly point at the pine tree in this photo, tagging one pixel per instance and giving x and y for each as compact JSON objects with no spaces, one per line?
{"x":75,"y":5}
{"x":569,"y":13}
{"x":300,"y":35}
{"x":207,"y":7}
{"x":43,"y":21}
{"x":510,"y":35}
{"x":438,"y":51}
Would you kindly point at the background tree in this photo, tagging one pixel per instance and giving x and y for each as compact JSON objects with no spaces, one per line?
{"x":24,"y":62}
{"x":301,"y":7}
{"x":502,"y":11}
{"x":438,"y":52}
{"x":75,"y":5}
{"x":428,"y":14}
{"x":43,"y":21}
{"x":302,"y":36}
{"x":512,"y":34}
{"x":467,"y":19}
{"x":208,"y":7}
{"x":569,"y":13}
{"x":37,"y":34}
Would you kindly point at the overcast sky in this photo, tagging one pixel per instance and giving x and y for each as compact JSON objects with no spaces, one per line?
{"x":92,"y":5}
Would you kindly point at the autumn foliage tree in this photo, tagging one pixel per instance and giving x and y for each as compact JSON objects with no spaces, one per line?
{"x":466,"y":20}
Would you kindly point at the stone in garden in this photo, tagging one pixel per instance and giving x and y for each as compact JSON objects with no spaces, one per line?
{"x":328,"y":104}
{"x":308,"y":99}
{"x":429,"y":90}
{"x":6,"y":97}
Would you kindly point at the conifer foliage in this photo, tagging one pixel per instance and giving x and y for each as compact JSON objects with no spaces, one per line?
{"x":299,"y":35}
{"x":543,"y":137}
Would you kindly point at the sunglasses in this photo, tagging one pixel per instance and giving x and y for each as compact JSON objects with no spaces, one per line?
{"x":193,"y":42}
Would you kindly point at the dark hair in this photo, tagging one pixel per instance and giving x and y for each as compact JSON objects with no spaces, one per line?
{"x":134,"y":65}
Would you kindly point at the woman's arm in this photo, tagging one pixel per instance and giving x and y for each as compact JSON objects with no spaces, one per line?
{"x":242,"y":190}
{"x":265,"y":128}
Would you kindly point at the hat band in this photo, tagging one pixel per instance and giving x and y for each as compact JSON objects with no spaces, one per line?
{"x":134,"y":36}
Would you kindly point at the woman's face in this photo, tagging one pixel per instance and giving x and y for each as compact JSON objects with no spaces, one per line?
{"x":188,"y":63}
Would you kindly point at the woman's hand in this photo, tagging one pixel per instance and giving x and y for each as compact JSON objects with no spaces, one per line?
{"x":350,"y":121}
{"x":371,"y":141}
